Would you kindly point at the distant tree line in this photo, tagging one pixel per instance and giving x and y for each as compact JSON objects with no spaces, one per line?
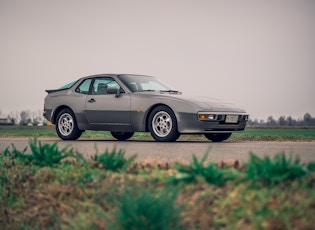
{"x":25,"y":117}
{"x":307,"y":120}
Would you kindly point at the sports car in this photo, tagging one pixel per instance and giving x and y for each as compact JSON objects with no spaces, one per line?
{"x":126,"y":103}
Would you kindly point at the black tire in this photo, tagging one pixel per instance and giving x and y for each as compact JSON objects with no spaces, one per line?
{"x":217,"y":137}
{"x":163,"y":124}
{"x":122,"y":136}
{"x":66,"y":125}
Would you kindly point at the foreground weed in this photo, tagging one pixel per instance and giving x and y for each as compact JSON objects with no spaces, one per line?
{"x":148,"y":209}
{"x":212,"y":173}
{"x":274,"y":171}
{"x":12,"y":152}
{"x":113,"y":160}
{"x":41,"y":154}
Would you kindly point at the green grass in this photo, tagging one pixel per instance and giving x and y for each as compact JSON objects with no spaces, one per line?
{"x":75,"y":194}
{"x":291,"y":134}
{"x":27,"y":131}
{"x":250,"y":134}
{"x":151,"y":209}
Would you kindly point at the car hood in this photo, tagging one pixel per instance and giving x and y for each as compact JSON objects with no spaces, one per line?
{"x":201,"y":103}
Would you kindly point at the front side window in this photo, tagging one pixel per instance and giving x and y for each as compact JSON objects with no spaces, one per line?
{"x":101,"y":85}
{"x":84,"y":87}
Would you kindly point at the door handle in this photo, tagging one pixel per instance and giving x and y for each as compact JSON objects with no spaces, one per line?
{"x":91,"y":100}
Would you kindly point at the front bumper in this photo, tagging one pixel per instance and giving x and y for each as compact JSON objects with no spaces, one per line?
{"x":191,"y":123}
{"x":47,"y":114}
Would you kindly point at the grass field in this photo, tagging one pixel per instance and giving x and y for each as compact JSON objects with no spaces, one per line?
{"x":51,"y":188}
{"x":250,"y":134}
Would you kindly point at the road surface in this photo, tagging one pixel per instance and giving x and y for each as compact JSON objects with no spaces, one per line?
{"x":180,"y":150}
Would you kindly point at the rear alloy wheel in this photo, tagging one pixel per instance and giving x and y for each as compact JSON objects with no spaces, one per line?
{"x":217,"y":137}
{"x":66,"y":125}
{"x":122,"y":136}
{"x":163,"y":124}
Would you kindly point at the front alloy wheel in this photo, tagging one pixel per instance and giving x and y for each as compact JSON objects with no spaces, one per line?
{"x":66,"y":125}
{"x":163,"y":124}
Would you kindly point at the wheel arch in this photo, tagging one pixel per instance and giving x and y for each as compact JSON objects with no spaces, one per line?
{"x":57,"y":110}
{"x":150,"y":111}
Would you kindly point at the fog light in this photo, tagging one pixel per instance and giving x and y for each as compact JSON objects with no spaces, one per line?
{"x":211,"y":117}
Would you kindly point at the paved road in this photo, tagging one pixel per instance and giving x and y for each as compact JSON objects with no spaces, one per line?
{"x":180,"y":150}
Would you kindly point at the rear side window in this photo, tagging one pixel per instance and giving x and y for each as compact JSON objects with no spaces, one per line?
{"x":84,"y":87}
{"x":67,"y":86}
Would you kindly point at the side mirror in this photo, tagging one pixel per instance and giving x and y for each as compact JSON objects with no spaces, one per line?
{"x":113,"y":90}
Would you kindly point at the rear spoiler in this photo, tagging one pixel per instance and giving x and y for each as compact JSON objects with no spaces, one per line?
{"x":53,"y":90}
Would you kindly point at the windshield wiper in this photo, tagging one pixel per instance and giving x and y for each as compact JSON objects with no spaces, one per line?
{"x":146,"y":90}
{"x":170,"y":91}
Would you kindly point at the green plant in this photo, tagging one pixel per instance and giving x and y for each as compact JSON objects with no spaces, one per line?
{"x":13,"y":153}
{"x":113,"y":160}
{"x":212,"y":173}
{"x":43,"y":154}
{"x":311,"y":166}
{"x":148,"y":209}
{"x":276,"y":170}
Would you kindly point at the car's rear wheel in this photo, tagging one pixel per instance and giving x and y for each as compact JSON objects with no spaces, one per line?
{"x":217,"y":137}
{"x":122,"y":136}
{"x":66,"y":125}
{"x":163,"y":124}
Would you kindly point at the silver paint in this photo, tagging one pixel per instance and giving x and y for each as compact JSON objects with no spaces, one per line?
{"x":130,"y":110}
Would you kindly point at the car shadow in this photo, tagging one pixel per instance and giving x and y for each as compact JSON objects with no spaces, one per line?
{"x":142,"y":141}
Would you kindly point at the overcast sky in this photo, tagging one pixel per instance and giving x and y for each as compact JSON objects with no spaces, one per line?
{"x":259,"y":55}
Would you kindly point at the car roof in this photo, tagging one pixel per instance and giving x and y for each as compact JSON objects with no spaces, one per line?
{"x":112,"y":74}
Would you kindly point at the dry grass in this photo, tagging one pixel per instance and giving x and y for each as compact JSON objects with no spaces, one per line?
{"x":78,"y":194}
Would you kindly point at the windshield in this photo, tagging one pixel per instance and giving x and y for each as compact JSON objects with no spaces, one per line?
{"x":67,"y":86}
{"x":140,"y":83}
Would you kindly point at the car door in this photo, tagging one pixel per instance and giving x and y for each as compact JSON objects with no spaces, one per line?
{"x":106,"y":109}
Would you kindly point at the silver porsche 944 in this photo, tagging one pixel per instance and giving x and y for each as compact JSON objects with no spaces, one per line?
{"x":126,"y":103}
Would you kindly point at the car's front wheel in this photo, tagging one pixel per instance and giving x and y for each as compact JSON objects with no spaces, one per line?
{"x":66,"y":125}
{"x":217,"y":137}
{"x":122,"y":136}
{"x":163,"y":124}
